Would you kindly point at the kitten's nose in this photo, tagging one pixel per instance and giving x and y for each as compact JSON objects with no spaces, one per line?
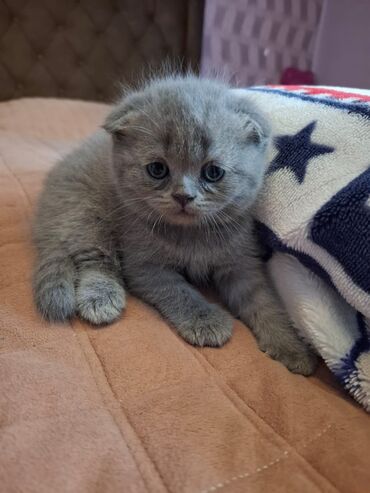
{"x":183,"y":198}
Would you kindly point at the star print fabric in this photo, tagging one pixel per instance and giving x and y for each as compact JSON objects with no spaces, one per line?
{"x":313,"y":216}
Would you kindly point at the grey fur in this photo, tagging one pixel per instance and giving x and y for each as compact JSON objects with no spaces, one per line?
{"x":102,"y":219}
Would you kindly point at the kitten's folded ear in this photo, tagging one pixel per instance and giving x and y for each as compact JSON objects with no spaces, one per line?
{"x":256,"y":125}
{"x":118,"y":121}
{"x":257,"y":131}
{"x":121,"y":119}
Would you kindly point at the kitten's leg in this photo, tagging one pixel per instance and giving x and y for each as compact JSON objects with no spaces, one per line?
{"x":77,"y":268}
{"x":84,"y":281}
{"x":248,"y":293}
{"x":199,"y":322}
{"x":54,"y":286}
{"x":100,"y":295}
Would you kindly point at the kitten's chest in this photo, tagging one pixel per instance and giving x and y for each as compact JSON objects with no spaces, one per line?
{"x":195,"y":255}
{"x":196,"y":261}
{"x":197,"y":258}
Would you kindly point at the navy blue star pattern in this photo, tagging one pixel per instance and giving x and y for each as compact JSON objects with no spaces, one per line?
{"x":342,"y":228}
{"x":295,"y":151}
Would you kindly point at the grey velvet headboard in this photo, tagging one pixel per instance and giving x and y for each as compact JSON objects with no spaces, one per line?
{"x":83,"y":48}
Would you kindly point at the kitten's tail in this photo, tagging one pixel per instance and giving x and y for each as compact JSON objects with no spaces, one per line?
{"x":54,"y":288}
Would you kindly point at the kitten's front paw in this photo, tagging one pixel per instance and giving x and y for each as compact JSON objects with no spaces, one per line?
{"x":299,"y":360}
{"x":55,"y":299}
{"x":100,"y":298}
{"x":208,"y":326}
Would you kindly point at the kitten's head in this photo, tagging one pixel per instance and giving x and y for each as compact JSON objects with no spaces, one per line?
{"x":187,"y":150}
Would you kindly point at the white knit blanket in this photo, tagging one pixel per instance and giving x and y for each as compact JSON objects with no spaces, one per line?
{"x":314,"y":216}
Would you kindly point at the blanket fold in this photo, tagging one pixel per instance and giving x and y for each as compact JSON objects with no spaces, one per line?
{"x":314,"y":215}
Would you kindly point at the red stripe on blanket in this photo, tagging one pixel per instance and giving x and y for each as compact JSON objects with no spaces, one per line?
{"x":323,"y":91}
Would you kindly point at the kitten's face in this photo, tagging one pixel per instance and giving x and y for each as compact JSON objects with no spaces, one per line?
{"x":187,"y":151}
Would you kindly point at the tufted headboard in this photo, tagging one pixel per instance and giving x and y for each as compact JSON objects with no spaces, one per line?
{"x":84,"y":48}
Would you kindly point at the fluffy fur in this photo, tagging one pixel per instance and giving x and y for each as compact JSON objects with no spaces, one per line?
{"x":104,"y":224}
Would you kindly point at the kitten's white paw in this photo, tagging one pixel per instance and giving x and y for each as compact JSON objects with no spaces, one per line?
{"x":207,"y":327}
{"x":100,"y":298}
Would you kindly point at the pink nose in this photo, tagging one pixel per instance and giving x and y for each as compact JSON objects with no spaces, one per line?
{"x":182,"y":198}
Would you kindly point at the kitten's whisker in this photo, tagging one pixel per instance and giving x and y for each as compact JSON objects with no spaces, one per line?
{"x":156,"y":222}
{"x":136,"y":199}
{"x":137,"y":217}
{"x":121,"y":208}
{"x":216,"y":228}
{"x":229,"y":221}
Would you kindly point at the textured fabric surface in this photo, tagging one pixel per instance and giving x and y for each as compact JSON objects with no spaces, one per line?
{"x":83,"y":49}
{"x":253,"y":41}
{"x":131,"y":407}
{"x":315,"y":207}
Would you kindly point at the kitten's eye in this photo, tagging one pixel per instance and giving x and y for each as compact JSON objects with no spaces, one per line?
{"x":157,"y":170}
{"x":212,"y":173}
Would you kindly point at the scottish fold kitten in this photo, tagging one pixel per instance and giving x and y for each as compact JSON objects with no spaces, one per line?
{"x":157,"y":202}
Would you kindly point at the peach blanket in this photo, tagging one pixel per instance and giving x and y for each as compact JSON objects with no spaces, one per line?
{"x":132,"y":408}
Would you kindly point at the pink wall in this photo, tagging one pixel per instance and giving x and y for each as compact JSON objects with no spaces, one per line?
{"x":253,"y":41}
{"x":342,"y":51}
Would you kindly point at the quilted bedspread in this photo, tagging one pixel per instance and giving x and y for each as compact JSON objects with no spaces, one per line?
{"x":131,"y":407}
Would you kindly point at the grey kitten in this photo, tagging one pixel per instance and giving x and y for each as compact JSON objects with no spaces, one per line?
{"x":159,"y":201}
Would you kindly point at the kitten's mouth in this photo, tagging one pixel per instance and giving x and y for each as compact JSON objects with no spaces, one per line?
{"x":185,"y":212}
{"x":184,"y":216}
